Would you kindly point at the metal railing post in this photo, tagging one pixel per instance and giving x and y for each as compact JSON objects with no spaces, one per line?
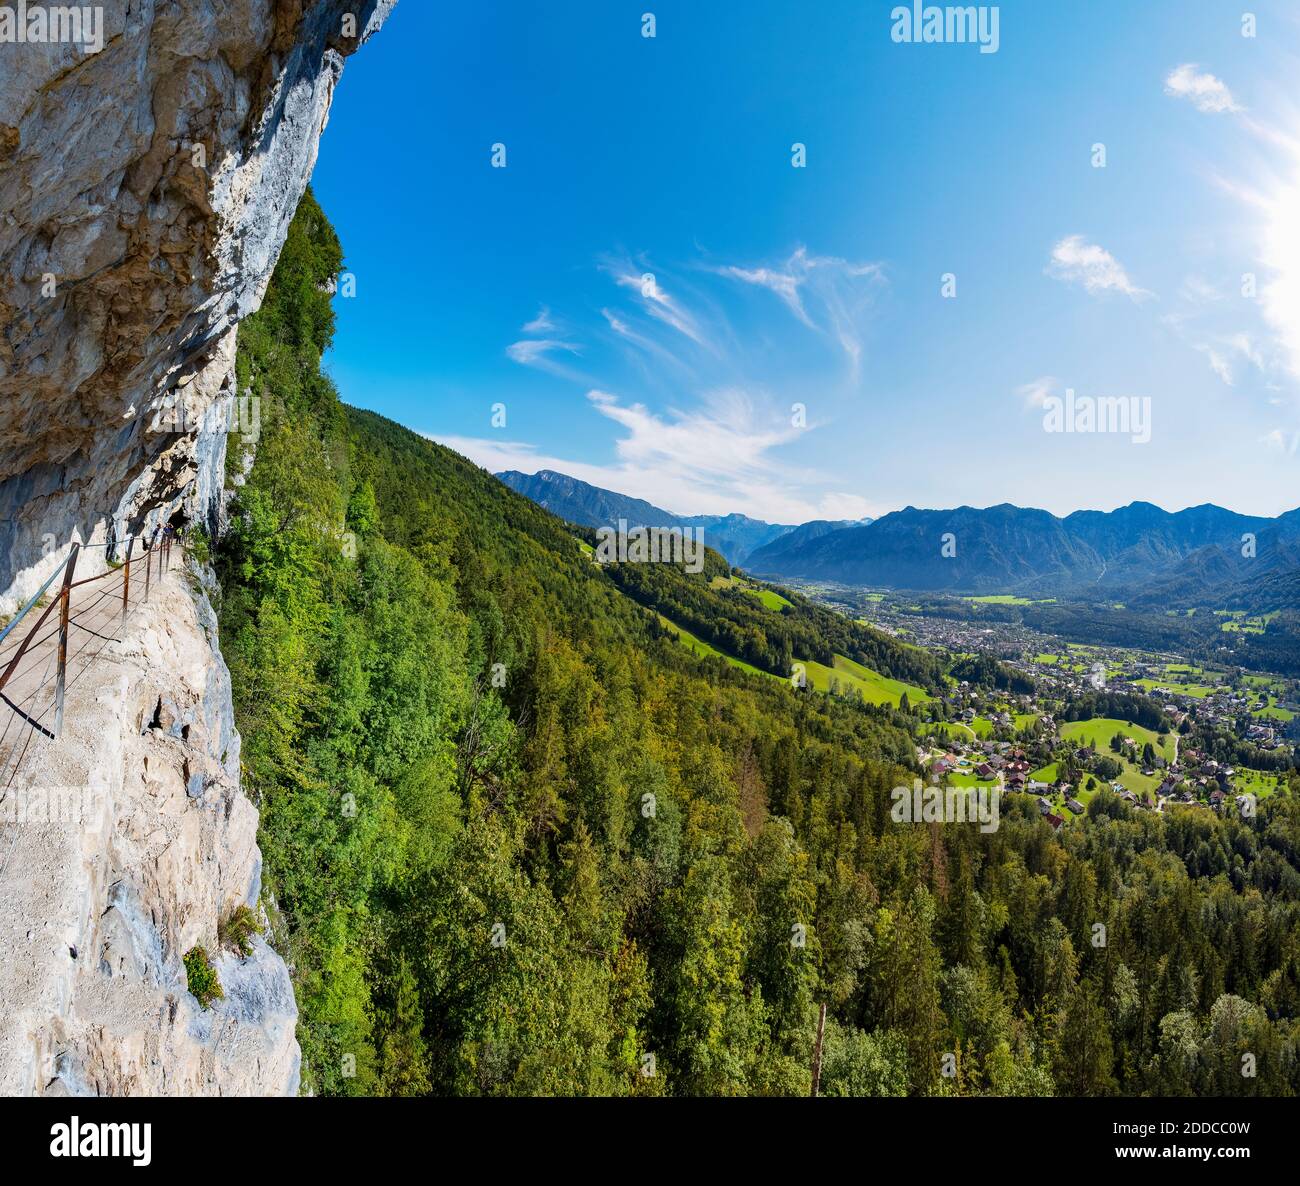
{"x":65,"y":597}
{"x":126,"y":583}
{"x":148,"y":563}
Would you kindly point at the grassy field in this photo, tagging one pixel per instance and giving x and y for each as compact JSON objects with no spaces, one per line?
{"x":1273,"y":712}
{"x":1236,"y":620}
{"x":1270,"y":687}
{"x":1259,"y":783}
{"x":1102,"y":729}
{"x":1200,"y":691}
{"x":699,"y":647}
{"x":875,"y":689}
{"x":1272,"y":682}
{"x":769,"y":597}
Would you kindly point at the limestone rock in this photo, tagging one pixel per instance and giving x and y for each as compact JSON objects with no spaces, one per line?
{"x":153,"y":847}
{"x":146,"y":191}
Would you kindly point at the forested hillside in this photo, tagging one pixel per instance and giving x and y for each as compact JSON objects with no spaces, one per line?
{"x":518,"y":841}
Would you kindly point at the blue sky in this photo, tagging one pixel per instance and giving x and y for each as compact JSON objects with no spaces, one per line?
{"x":649,"y":286}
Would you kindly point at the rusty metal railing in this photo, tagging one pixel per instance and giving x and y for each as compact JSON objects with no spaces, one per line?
{"x":37,"y":654}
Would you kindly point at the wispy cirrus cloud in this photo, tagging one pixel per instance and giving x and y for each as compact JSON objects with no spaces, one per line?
{"x":714,"y":459}
{"x":1280,"y":441}
{"x":1225,"y":351}
{"x":642,"y":341}
{"x":537,"y":352}
{"x":541,"y":324}
{"x":1201,"y":88}
{"x":716,"y":447}
{"x":659,"y":304}
{"x":540,"y":352}
{"x":839,"y":290}
{"x":784,"y":284}
{"x":1076,"y":261}
{"x":1272,"y":199}
{"x":1278,"y":250}
{"x":1197,"y":290}
{"x":1035,"y":392}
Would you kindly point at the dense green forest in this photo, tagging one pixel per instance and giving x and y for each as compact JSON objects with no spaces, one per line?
{"x":733,"y":622}
{"x":518,"y":842}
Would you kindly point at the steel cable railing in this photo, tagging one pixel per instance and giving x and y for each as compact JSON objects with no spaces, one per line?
{"x":47,"y":640}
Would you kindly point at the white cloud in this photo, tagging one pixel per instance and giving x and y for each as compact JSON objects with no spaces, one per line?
{"x":625,"y":331}
{"x":832,"y":283}
{"x":660,"y":305}
{"x":715,"y":460}
{"x":1281,"y":442}
{"x":1208,"y":93}
{"x":1218,"y":363}
{"x":1075,"y":260}
{"x":721,"y":454}
{"x":1225,"y":350}
{"x":541,"y":324}
{"x":1277,"y":246}
{"x":725,"y":440}
{"x":1244,"y":345}
{"x":1279,"y":252}
{"x":1035,"y":393}
{"x":784,"y":284}
{"x":534,"y":352}
{"x":1197,"y":290}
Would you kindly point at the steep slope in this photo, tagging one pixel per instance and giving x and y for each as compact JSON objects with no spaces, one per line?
{"x":146,"y":191}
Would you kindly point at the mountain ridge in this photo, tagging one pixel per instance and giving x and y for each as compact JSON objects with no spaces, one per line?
{"x":1135,"y":549}
{"x":736,"y":536}
{"x":1139,"y":551}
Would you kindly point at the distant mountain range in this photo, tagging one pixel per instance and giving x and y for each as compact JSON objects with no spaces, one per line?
{"x":1138,"y":553}
{"x":735,"y":536}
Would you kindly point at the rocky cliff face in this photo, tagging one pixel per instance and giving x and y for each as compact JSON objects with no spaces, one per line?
{"x":145,"y":191}
{"x":124,"y":847}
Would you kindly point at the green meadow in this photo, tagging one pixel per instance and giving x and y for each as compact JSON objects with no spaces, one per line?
{"x":846,"y":675}
{"x":1200,"y":691}
{"x":699,"y":647}
{"x":770,"y":598}
{"x":875,"y":688}
{"x":1101,"y":729}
